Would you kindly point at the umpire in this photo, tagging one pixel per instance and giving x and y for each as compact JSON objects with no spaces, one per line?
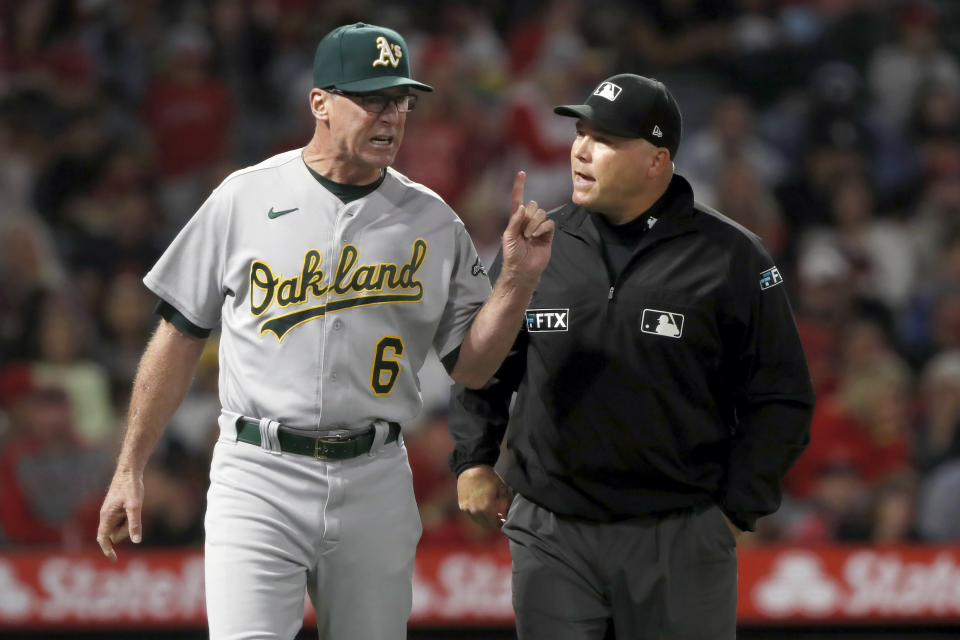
{"x":661,"y":395}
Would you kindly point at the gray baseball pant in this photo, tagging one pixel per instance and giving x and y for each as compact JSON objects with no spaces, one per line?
{"x":650,"y":578}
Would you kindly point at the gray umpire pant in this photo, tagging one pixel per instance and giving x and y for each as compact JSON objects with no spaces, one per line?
{"x":650,"y":578}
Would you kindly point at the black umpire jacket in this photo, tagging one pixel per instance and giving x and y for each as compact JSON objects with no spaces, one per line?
{"x":681,"y":382}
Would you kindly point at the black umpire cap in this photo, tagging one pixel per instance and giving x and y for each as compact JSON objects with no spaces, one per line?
{"x":632,"y":106}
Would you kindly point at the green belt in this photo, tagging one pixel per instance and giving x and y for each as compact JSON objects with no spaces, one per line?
{"x":340,"y":447}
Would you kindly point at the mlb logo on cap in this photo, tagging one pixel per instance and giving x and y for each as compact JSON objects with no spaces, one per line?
{"x":632,"y":106}
{"x":608,"y":90}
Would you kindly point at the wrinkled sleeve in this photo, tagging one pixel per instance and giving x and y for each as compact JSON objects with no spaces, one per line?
{"x":774,"y":395}
{"x":479,"y":417}
{"x":189,"y":275}
{"x":469,"y":288}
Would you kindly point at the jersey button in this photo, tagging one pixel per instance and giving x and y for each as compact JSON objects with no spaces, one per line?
{"x":337,"y":324}
{"x":333,"y":377}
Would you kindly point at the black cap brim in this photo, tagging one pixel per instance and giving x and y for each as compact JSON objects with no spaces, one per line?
{"x":383,"y":82}
{"x":587,"y":112}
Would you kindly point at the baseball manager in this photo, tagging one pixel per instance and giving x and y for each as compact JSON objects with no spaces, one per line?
{"x":331,"y":276}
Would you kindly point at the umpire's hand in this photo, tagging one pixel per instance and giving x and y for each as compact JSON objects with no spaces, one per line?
{"x":483,"y":495}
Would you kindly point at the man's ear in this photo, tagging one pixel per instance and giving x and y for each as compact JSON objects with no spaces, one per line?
{"x":318,"y":103}
{"x":659,"y":162}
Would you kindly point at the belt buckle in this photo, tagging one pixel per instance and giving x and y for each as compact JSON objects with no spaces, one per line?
{"x":323,"y":447}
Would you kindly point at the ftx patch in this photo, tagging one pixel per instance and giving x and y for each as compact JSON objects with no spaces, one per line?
{"x":548,"y":319}
{"x":770,"y":278}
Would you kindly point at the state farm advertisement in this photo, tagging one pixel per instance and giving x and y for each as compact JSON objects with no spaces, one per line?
{"x":901,"y":584}
{"x":471,"y":587}
{"x":153,"y":589}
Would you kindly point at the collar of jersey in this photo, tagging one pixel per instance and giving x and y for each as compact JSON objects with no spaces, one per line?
{"x":347,"y":193}
{"x":674,"y":206}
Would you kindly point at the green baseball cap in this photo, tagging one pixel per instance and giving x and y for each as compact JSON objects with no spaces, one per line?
{"x":363,"y":57}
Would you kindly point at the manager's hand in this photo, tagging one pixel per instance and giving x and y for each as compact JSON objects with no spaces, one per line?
{"x":120,"y":513}
{"x":483,"y":495}
{"x":527,"y":240}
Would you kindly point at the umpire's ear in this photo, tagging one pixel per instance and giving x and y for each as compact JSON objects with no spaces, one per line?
{"x":318,"y":103}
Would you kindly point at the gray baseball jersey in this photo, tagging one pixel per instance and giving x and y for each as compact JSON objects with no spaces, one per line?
{"x":327,"y":309}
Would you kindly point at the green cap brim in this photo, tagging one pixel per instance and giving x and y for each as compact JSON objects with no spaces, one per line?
{"x":383,"y":82}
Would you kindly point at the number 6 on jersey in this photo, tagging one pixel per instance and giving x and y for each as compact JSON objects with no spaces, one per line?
{"x":386,"y":366}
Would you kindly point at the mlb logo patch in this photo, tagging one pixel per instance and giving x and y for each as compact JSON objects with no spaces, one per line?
{"x":770,"y":278}
{"x":662,"y":323}
{"x":608,"y":90}
{"x":548,"y":319}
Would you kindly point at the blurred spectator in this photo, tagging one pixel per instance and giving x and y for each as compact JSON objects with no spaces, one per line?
{"x":893,"y":511}
{"x":935,"y":221}
{"x":540,"y":141}
{"x":936,"y":320}
{"x":835,"y":149}
{"x":936,"y":113}
{"x":59,"y":345}
{"x":115,"y":224}
{"x":29,"y":267}
{"x":549,"y":37}
{"x":550,"y":60}
{"x":897,"y":69}
{"x":938,"y":438}
{"x":863,"y":344}
{"x":125,"y":322}
{"x":741,"y":194}
{"x":825,"y":304}
{"x":939,"y":513}
{"x":51,"y":484}
{"x":935,"y":130}
{"x":731,"y":137}
{"x":190,"y":115}
{"x":879,"y":249}
{"x":446,"y":154}
{"x":835,"y":509}
{"x":71,"y":170}
{"x":23,"y":146}
{"x":173,"y":507}
{"x":484,"y":216}
{"x":848,"y":30}
{"x":828,"y":307}
{"x":764,"y":45}
{"x":837,"y":94}
{"x":667,"y":33}
{"x":480,"y":56}
{"x":242,"y":52}
{"x":685,"y":43}
{"x":866,"y":423}
{"x":119,"y":37}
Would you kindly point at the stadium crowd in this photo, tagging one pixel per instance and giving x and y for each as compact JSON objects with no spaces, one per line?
{"x":831,"y":128}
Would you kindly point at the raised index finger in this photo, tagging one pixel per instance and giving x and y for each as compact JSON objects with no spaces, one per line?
{"x":518,"y":184}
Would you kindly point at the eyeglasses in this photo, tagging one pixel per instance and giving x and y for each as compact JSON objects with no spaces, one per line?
{"x":377,"y":102}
